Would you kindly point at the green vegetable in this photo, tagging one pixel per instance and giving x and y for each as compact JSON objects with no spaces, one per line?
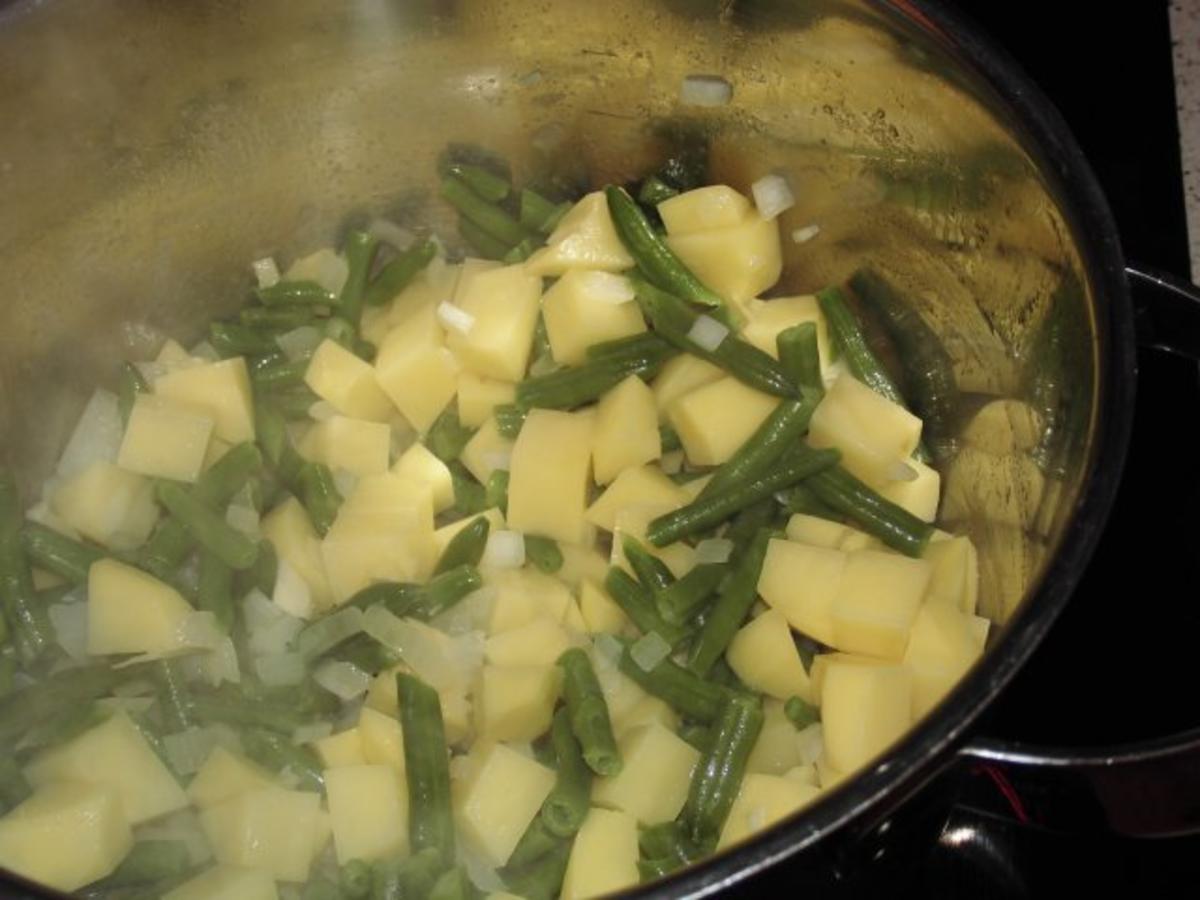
{"x":402,"y":879}
{"x":520,"y":252}
{"x":208,"y":528}
{"x":683,"y":691}
{"x":509,"y":419}
{"x":14,"y":786}
{"x":454,"y":885}
{"x":544,"y":553}
{"x":276,"y":318}
{"x":174,"y":695}
{"x":129,"y":384}
{"x":496,"y":491}
{"x":665,"y":848}
{"x":57,"y":553}
{"x":679,"y":602}
{"x":305,"y":293}
{"x":62,"y":725}
{"x":589,"y":713}
{"x":800,"y":498}
{"x":480,"y":241}
{"x":23,"y":710}
{"x":354,"y":878}
{"x":446,"y":589}
{"x":541,"y":880}
{"x":718,"y":776}
{"x":633,"y":345}
{"x":263,"y":573}
{"x":539,"y":214}
{"x":567,"y":804}
{"x":651,"y":571}
{"x":732,"y":606}
{"x":236,"y":339}
{"x":800,"y":358}
{"x":654,"y":191}
{"x":295,"y":403}
{"x":215,"y":593}
{"x":470,"y":497}
{"x":535,"y":843}
{"x":486,"y":184}
{"x":487,"y":216}
{"x":150,"y":860}
{"x":277,"y":752}
{"x":800,"y":712}
{"x":319,"y":494}
{"x":430,"y":821}
{"x":318,"y":888}
{"x":874,"y":514}
{"x":779,"y":432}
{"x":272,"y":373}
{"x":848,"y":337}
{"x":668,"y":438}
{"x":27,"y":621}
{"x":447,"y":436}
{"x":399,"y":272}
{"x":638,"y":604}
{"x":466,"y":547}
{"x":568,"y":388}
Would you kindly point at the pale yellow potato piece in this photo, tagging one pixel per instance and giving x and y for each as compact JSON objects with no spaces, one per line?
{"x":504,"y":303}
{"x":498,"y":799}
{"x":622,"y":695}
{"x":130,"y":611}
{"x":713,"y":421}
{"x":226,"y":774}
{"x":325,"y":266}
{"x":601,"y":615}
{"x":632,"y":521}
{"x":801,"y":581}
{"x":649,"y":710}
{"x":877,"y":601}
{"x":220,"y":390}
{"x":108,"y":505}
{"x":345,"y":748}
{"x":296,"y":542}
{"x":549,"y":475}
{"x":638,"y":486}
{"x":355,"y":445}
{"x":655,"y":773}
{"x":380,"y":735}
{"x":767,"y":318}
{"x":67,"y":834}
{"x":738,"y":262}
{"x":515,"y":703}
{"x":584,"y":238}
{"x":875,"y":435}
{"x":418,"y":464}
{"x":368,"y":809}
{"x":382,"y":698}
{"x":415,"y":368}
{"x":486,"y":451}
{"x":942,"y":646}
{"x":763,"y":800}
{"x":703,"y":209}
{"x":226,"y":883}
{"x":764,"y":656}
{"x":805,"y":529}
{"x":347,"y":383}
{"x":681,"y":375}
{"x":164,"y":439}
{"x":114,"y":754}
{"x":822,"y":661}
{"x":776,"y":750}
{"x":864,"y":709}
{"x":806,"y":773}
{"x":604,"y":856}
{"x":580,"y":562}
{"x":273,"y":829}
{"x":478,"y":397}
{"x":625,"y":434}
{"x":539,"y":643}
{"x":920,"y":496}
{"x":446,"y":533}
{"x":173,"y":355}
{"x":954,"y":578}
{"x":578,"y":314}
{"x":523,"y":595}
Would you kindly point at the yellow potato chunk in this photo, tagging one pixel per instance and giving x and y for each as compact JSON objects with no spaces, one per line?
{"x":583,"y":239}
{"x":548,"y":478}
{"x":446,"y":533}
{"x":226,"y":883}
{"x":682,"y":375}
{"x":632,"y":521}
{"x":637,"y":486}
{"x":864,"y":708}
{"x":713,"y":421}
{"x":601,"y":615}
{"x":655,"y":773}
{"x":777,"y":749}
{"x":67,"y":834}
{"x":764,"y":656}
{"x":114,"y":754}
{"x":368,"y":808}
{"x":941,"y":648}
{"x":580,"y":562}
{"x":220,"y":390}
{"x":131,"y":612}
{"x":380,"y":735}
{"x":164,"y":439}
{"x":604,"y":856}
{"x":767,"y":318}
{"x":515,"y":703}
{"x":347,"y":383}
{"x":498,"y":799}
{"x":762,"y":801}
{"x":108,"y":505}
{"x":172,"y":355}
{"x":345,"y":748}
{"x":272,"y":829}
{"x":626,"y":430}
{"x":523,"y":595}
{"x":418,"y":464}
{"x":954,"y":579}
{"x":291,"y":533}
{"x":540,"y":643}
{"x":504,"y":303}
{"x":356,"y":445}
{"x":225,"y":774}
{"x":325,"y":266}
{"x":874,"y":435}
{"x":818,"y":532}
{"x":647,"y":711}
{"x":486,"y":451}
{"x":738,"y":262}
{"x":877,"y":601}
{"x":477,"y":397}
{"x":801,"y":581}
{"x":919,"y":496}
{"x":822,"y":661}
{"x":579,"y":311}
{"x":703,"y":209}
{"x":415,"y":368}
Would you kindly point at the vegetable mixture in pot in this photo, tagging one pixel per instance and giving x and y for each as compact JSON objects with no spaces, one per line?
{"x":544,"y":571}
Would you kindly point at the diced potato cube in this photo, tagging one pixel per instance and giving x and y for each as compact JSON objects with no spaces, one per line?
{"x":738,"y":262}
{"x":416,"y":370}
{"x":114,"y":754}
{"x":767,"y":318}
{"x":601,"y":615}
{"x":715,"y":420}
{"x":873,"y":434}
{"x":67,"y":834}
{"x":347,"y":383}
{"x":325,"y":266}
{"x":368,"y":807}
{"x":806,"y":773}
{"x":226,"y":883}
{"x":356,"y":445}
{"x":877,"y":601}
{"x":499,"y":798}
{"x":164,"y":439}
{"x":548,"y":478}
{"x":681,"y":375}
{"x":655,"y":773}
{"x":173,"y":355}
{"x":941,"y":648}
{"x":626,"y":430}
{"x":291,"y":533}
{"x":777,"y":749}
{"x":273,"y":829}
{"x":108,"y":505}
{"x":818,"y":532}
{"x":379,"y":732}
{"x":433,"y":284}
{"x":221,"y":390}
{"x":477,"y":397}
{"x":801,"y":581}
{"x":703,"y":209}
{"x":579,"y":311}
{"x":635,"y":487}
{"x":764,"y":656}
{"x":622,"y":694}
{"x":827,"y":776}
{"x":225,"y":774}
{"x":504,"y":303}
{"x":604,"y":856}
{"x":523,"y":595}
{"x":486,"y":451}
{"x":822,"y":661}
{"x":632,"y":521}
{"x":540,"y":643}
{"x":580,"y":562}
{"x":345,"y":748}
{"x":584,"y":238}
{"x":954,"y":579}
{"x":446,"y":533}
{"x":131,"y":612}
{"x":515,"y":703}
{"x":919,"y":496}
{"x":859,"y":540}
{"x":864,"y":708}
{"x":418,"y":464}
{"x":762,"y":801}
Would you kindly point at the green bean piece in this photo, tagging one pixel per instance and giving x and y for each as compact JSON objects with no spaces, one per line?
{"x":568,"y":388}
{"x":800,"y":498}
{"x":797,"y":464}
{"x":651,"y":571}
{"x":447,"y":436}
{"x":130,"y":383}
{"x":718,"y":776}
{"x":542,"y":880}
{"x":271,"y":430}
{"x":489,"y":217}
{"x":491,"y":187}
{"x":668,"y":438}
{"x":57,"y":553}
{"x":496,"y":490}
{"x":482,"y":243}
{"x":588,"y":712}
{"x":544,"y":553}
{"x":295,"y":403}
{"x":800,"y":357}
{"x":231,"y":339}
{"x":848,"y":337}
{"x":540,"y":214}
{"x":295,"y":293}
{"x":454,"y":885}
{"x":732,"y":606}
{"x":509,"y":419}
{"x":354,"y":878}
{"x":398,"y":597}
{"x":519,"y":253}
{"x":319,"y":888}
{"x":399,"y":272}
{"x":664,"y":848}
{"x":779,"y":432}
{"x":28,"y":622}
{"x":276,"y":318}
{"x":26,"y":709}
{"x":679,"y":602}
{"x":208,"y":528}
{"x":651,"y":253}
{"x":568,"y":801}
{"x":445,"y":590}
{"x":801,"y":713}
{"x":277,"y":752}
{"x":430,"y":821}
{"x":874,"y":514}
{"x":746,"y":524}
{"x":14,"y":786}
{"x":174,"y":696}
{"x":535,"y":843}
{"x":63,"y":725}
{"x":696,"y":734}
{"x":470,"y":497}
{"x":466,"y":547}
{"x":366,"y":653}
{"x":633,"y":345}
{"x":215,"y":591}
{"x":682,"y":690}
{"x":319,"y":494}
{"x":404,"y":879}
{"x":638,"y":603}
{"x":654,"y":191}
{"x":271,"y":373}
{"x":262,"y":574}
{"x":150,"y":860}
{"x":360,"y":250}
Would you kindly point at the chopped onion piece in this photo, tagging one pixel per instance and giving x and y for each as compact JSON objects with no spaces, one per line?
{"x":70,"y":627}
{"x":322,"y":410}
{"x":97,"y":435}
{"x":266,"y":273}
{"x":713,"y":550}
{"x":292,"y":594}
{"x":188,"y":749}
{"x":498,"y":459}
{"x":454,"y":318}
{"x":901,"y":471}
{"x":199,"y":631}
{"x":270,"y":629}
{"x":221,"y":663}
{"x":608,"y":647}
{"x":504,"y":550}
{"x":810,"y":743}
{"x":345,"y":481}
{"x":242,"y":514}
{"x":342,"y":679}
{"x":471,"y":613}
{"x":805,"y":234}
{"x":299,"y":343}
{"x":391,"y":233}
{"x":671,"y":463}
{"x":648,"y":651}
{"x":326,"y":267}
{"x":705,"y":90}
{"x":445,"y":662}
{"x":306,"y":734}
{"x":606,"y":287}
{"x":707,"y":333}
{"x":280,"y":670}
{"x":481,"y":873}
{"x":772,"y":196}
{"x":330,"y":631}
{"x":205,"y":351}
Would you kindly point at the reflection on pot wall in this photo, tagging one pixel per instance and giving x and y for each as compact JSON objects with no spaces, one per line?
{"x":155,"y":149}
